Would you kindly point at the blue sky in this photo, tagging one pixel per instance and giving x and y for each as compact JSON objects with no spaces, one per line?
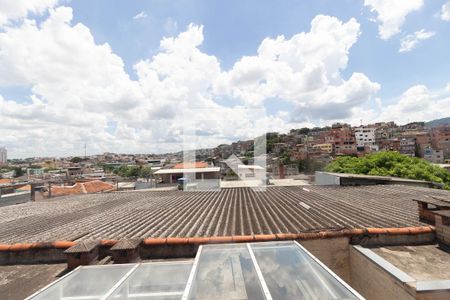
{"x":233,"y":29}
{"x":366,"y":64}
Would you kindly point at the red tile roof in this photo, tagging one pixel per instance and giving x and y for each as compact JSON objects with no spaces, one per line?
{"x":191,"y":165}
{"x":97,"y":186}
{"x":89,"y":187}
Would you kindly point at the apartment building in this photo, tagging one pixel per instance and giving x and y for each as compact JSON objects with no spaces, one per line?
{"x":434,"y":156}
{"x":408,"y":146}
{"x":440,"y":139}
{"x":365,"y":136}
{"x":389,"y":145}
{"x":344,"y":139}
{"x":327,"y":147}
{"x":3,"y":156}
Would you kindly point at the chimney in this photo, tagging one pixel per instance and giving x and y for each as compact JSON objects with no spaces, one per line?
{"x":429,"y":205}
{"x":281,"y":170}
{"x":126,"y":251}
{"x":81,"y":254}
{"x":443,"y":228}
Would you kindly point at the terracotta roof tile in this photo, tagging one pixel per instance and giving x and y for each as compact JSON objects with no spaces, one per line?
{"x":89,"y":187}
{"x":191,"y":165}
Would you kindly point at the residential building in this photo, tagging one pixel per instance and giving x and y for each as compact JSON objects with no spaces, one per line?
{"x":3,"y":156}
{"x":423,"y":142}
{"x":300,"y":152}
{"x":279,"y":148}
{"x":344,"y":139}
{"x":198,"y":175}
{"x":327,"y":148}
{"x":408,"y":146}
{"x":389,"y":145}
{"x":434,"y":156}
{"x":246,"y":172}
{"x":440,"y":139}
{"x":365,"y":136}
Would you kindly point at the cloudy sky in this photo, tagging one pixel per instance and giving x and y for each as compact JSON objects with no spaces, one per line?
{"x":127,"y":76}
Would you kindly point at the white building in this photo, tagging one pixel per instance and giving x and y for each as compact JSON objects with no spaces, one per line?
{"x":251,"y":172}
{"x":434,"y":156}
{"x":3,"y":156}
{"x":365,"y":136}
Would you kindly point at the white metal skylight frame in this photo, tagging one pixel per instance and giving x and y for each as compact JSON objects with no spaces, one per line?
{"x":194,"y":268}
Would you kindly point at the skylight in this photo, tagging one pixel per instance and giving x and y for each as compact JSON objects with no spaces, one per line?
{"x":272,"y":270}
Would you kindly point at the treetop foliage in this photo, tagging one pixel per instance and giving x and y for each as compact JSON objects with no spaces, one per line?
{"x":390,"y":163}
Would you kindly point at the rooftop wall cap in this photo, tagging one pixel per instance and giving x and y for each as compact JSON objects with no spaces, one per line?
{"x":127,"y":244}
{"x":324,"y":234}
{"x":83,"y":247}
{"x":440,"y":202}
{"x":243,"y":238}
{"x":221,"y":239}
{"x":177,"y":240}
{"x":155,"y":241}
{"x":265,"y":237}
{"x":63,"y":244}
{"x":108,"y":243}
{"x":443,"y":213}
{"x":198,"y":240}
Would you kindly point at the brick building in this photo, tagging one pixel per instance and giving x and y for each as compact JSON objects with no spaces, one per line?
{"x":344,"y":139}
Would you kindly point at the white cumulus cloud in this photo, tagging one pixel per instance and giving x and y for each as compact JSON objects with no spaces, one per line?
{"x":140,"y":15}
{"x":445,"y":11}
{"x":16,"y":9}
{"x":305,"y":70}
{"x":80,"y":92}
{"x":418,"y":103}
{"x":391,"y":14}
{"x":411,"y":41}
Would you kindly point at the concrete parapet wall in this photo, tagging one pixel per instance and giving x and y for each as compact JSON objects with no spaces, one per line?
{"x":334,"y":253}
{"x":373,"y":282}
{"x":16,"y":198}
{"x":33,"y":256}
{"x":394,"y":240}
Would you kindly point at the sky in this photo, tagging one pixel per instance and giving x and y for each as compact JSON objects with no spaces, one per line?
{"x":152,"y":76}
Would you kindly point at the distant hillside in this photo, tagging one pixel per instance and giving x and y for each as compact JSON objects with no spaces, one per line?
{"x":437,"y":122}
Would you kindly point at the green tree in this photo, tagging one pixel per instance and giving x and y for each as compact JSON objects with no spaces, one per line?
{"x":146,"y":172}
{"x":109,"y":168}
{"x":304,"y":130}
{"x":390,"y":163}
{"x":285,"y":158}
{"x":18,"y":171}
{"x":76,"y":160}
{"x":128,"y":171}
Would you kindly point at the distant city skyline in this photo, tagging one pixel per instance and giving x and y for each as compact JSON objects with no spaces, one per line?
{"x":120,"y":78}
{"x":357,"y":134}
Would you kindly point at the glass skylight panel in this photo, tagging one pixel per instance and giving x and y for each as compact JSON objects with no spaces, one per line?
{"x":87,"y":283}
{"x":291,"y":273}
{"x":155,"y":281}
{"x":273,"y":270}
{"x":225,"y":272}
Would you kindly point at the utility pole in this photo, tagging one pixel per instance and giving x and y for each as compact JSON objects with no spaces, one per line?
{"x":85,"y":150}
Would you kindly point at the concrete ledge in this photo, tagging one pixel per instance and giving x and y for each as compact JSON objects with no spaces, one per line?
{"x":432,"y":285}
{"x":394,"y":240}
{"x":385,"y":265}
{"x":418,"y":289}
